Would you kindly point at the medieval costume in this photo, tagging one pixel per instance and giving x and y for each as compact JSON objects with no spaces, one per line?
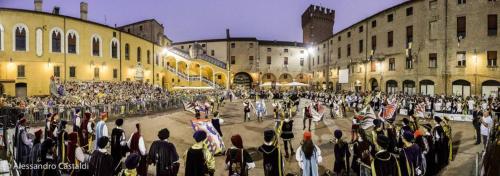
{"x":136,"y":145}
{"x":101,"y":161}
{"x":308,"y":156}
{"x":410,"y":157}
{"x":216,"y":122}
{"x":246,"y":110}
{"x":272,"y":158}
{"x":307,"y":116}
{"x":118,"y":145}
{"x":287,"y":135}
{"x":361,"y":151}
{"x":440,"y":144}
{"x":22,"y":143}
{"x":84,"y":134}
{"x":163,"y":155}
{"x":131,"y":164}
{"x":101,"y":129}
{"x":384,"y":163}
{"x":76,"y":120}
{"x":72,"y":145}
{"x":62,"y":137}
{"x":35,"y":153}
{"x":260,"y":109}
{"x":341,"y":152}
{"x":199,"y":160}
{"x":238,"y":160}
{"x":48,"y":157}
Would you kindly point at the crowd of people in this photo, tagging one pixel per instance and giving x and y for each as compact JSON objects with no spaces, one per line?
{"x":419,"y":144}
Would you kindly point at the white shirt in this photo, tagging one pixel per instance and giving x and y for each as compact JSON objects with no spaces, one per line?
{"x":485,"y":131}
{"x":298,"y":156}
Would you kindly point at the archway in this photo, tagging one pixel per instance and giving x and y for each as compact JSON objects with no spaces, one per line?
{"x":220,"y":79}
{"x":427,"y":87}
{"x":490,"y":88}
{"x":391,"y":86}
{"x":243,"y":79}
{"x":21,"y":89}
{"x":268,"y":77}
{"x":374,"y":84}
{"x":461,"y":88}
{"x":409,"y":87}
{"x":301,"y":78}
{"x":285,"y":78}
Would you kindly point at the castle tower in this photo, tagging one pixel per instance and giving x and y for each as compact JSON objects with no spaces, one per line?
{"x":317,"y":24}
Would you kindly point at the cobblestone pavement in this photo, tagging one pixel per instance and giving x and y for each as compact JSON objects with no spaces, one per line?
{"x":252,"y":133}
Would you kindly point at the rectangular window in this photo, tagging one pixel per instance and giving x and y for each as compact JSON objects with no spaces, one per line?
{"x":72,"y":72}
{"x":268,"y":60}
{"x":390,"y":39}
{"x":433,"y":30}
{"x":492,"y":58}
{"x":392,"y":64}
{"x":212,"y":53}
{"x":461,"y":27}
{"x":115,"y":73}
{"x":57,"y":71}
{"x":433,"y":4}
{"x":317,"y":61}
{"x":409,"y":11}
{"x":461,"y":59}
{"x":374,"y":23}
{"x":250,"y":60}
{"x":360,"y":46}
{"x":96,"y":72}
{"x":301,"y":61}
{"x":268,"y":49}
{"x":409,"y":36}
{"x":373,"y":66}
{"x":203,"y":45}
{"x":348,"y":34}
{"x":182,"y":47}
{"x":233,"y":45}
{"x":286,"y":50}
{"x":233,"y":60}
{"x":360,"y":29}
{"x":461,"y":1}
{"x":340,"y":38}
{"x":20,"y":71}
{"x":339,"y":53}
{"x":432,"y":60}
{"x":348,"y":50}
{"x":301,"y":51}
{"x":374,"y":42}
{"x":492,"y":25}
{"x":409,"y":63}
{"x":285,"y":61}
{"x":390,"y":17}
{"x":250,"y":45}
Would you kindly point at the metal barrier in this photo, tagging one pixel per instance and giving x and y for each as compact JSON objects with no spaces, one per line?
{"x":38,"y":114}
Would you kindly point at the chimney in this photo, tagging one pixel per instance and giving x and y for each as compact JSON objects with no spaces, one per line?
{"x":83,"y":10}
{"x":38,"y":5}
{"x":55,"y":11}
{"x":228,"y":36}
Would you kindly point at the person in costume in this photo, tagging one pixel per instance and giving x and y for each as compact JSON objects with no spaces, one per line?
{"x":84,"y":131}
{"x":410,"y":156}
{"x":131,"y":164}
{"x":35,"y":153}
{"x":287,"y":135}
{"x":23,"y":143}
{"x":308,"y":156}
{"x":260,"y":109}
{"x":62,"y":139}
{"x":101,"y":129}
{"x":76,"y":120}
{"x":448,"y":132}
{"x":118,"y":145}
{"x":238,"y":160}
{"x":101,"y":162}
{"x":136,"y":145}
{"x":163,"y":155}
{"x":72,"y":145}
{"x":47,"y":154}
{"x":440,"y":144}
{"x":199,"y":160}
{"x":217,"y":122}
{"x":342,"y":155}
{"x":361,"y":152}
{"x":307,"y":116}
{"x":384,"y":163}
{"x":246,"y":110}
{"x":272,"y":158}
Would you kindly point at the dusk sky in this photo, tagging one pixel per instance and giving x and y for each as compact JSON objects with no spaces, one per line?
{"x":207,"y":19}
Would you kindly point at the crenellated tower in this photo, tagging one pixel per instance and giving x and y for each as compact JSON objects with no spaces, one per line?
{"x":317,"y":24}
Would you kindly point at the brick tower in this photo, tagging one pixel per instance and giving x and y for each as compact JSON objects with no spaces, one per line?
{"x":317,"y":24}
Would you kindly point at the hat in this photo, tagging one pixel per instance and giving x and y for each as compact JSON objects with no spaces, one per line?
{"x":438,"y":119}
{"x":63,"y":124}
{"x":307,"y":135}
{"x":38,"y":134}
{"x":418,"y":133}
{"x":163,"y":134}
{"x":237,"y":141}
{"x":77,"y":110}
{"x":119,"y":122}
{"x":268,"y":135}
{"x":406,"y":121}
{"x":132,"y":161}
{"x":102,"y":142}
{"x":383,"y":141}
{"x":377,"y":122}
{"x":337,"y":134}
{"x":408,"y":136}
{"x":199,"y":135}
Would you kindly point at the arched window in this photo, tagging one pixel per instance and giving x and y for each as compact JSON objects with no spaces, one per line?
{"x":148,"y":57}
{"x":21,"y":37}
{"x":1,"y":37}
{"x":72,"y":43}
{"x":96,"y":45}
{"x":138,"y":54}
{"x":114,"y":48}
{"x":56,"y":40}
{"x":127,"y":51}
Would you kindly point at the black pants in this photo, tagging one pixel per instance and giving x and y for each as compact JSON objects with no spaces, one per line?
{"x":286,"y":143}
{"x":304,"y":122}
{"x":246,"y":116}
{"x":478,"y":134}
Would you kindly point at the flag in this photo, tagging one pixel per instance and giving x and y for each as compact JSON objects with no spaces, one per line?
{"x":389,"y":111}
{"x":366,"y":117}
{"x":420,"y":110}
{"x":214,"y":140}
